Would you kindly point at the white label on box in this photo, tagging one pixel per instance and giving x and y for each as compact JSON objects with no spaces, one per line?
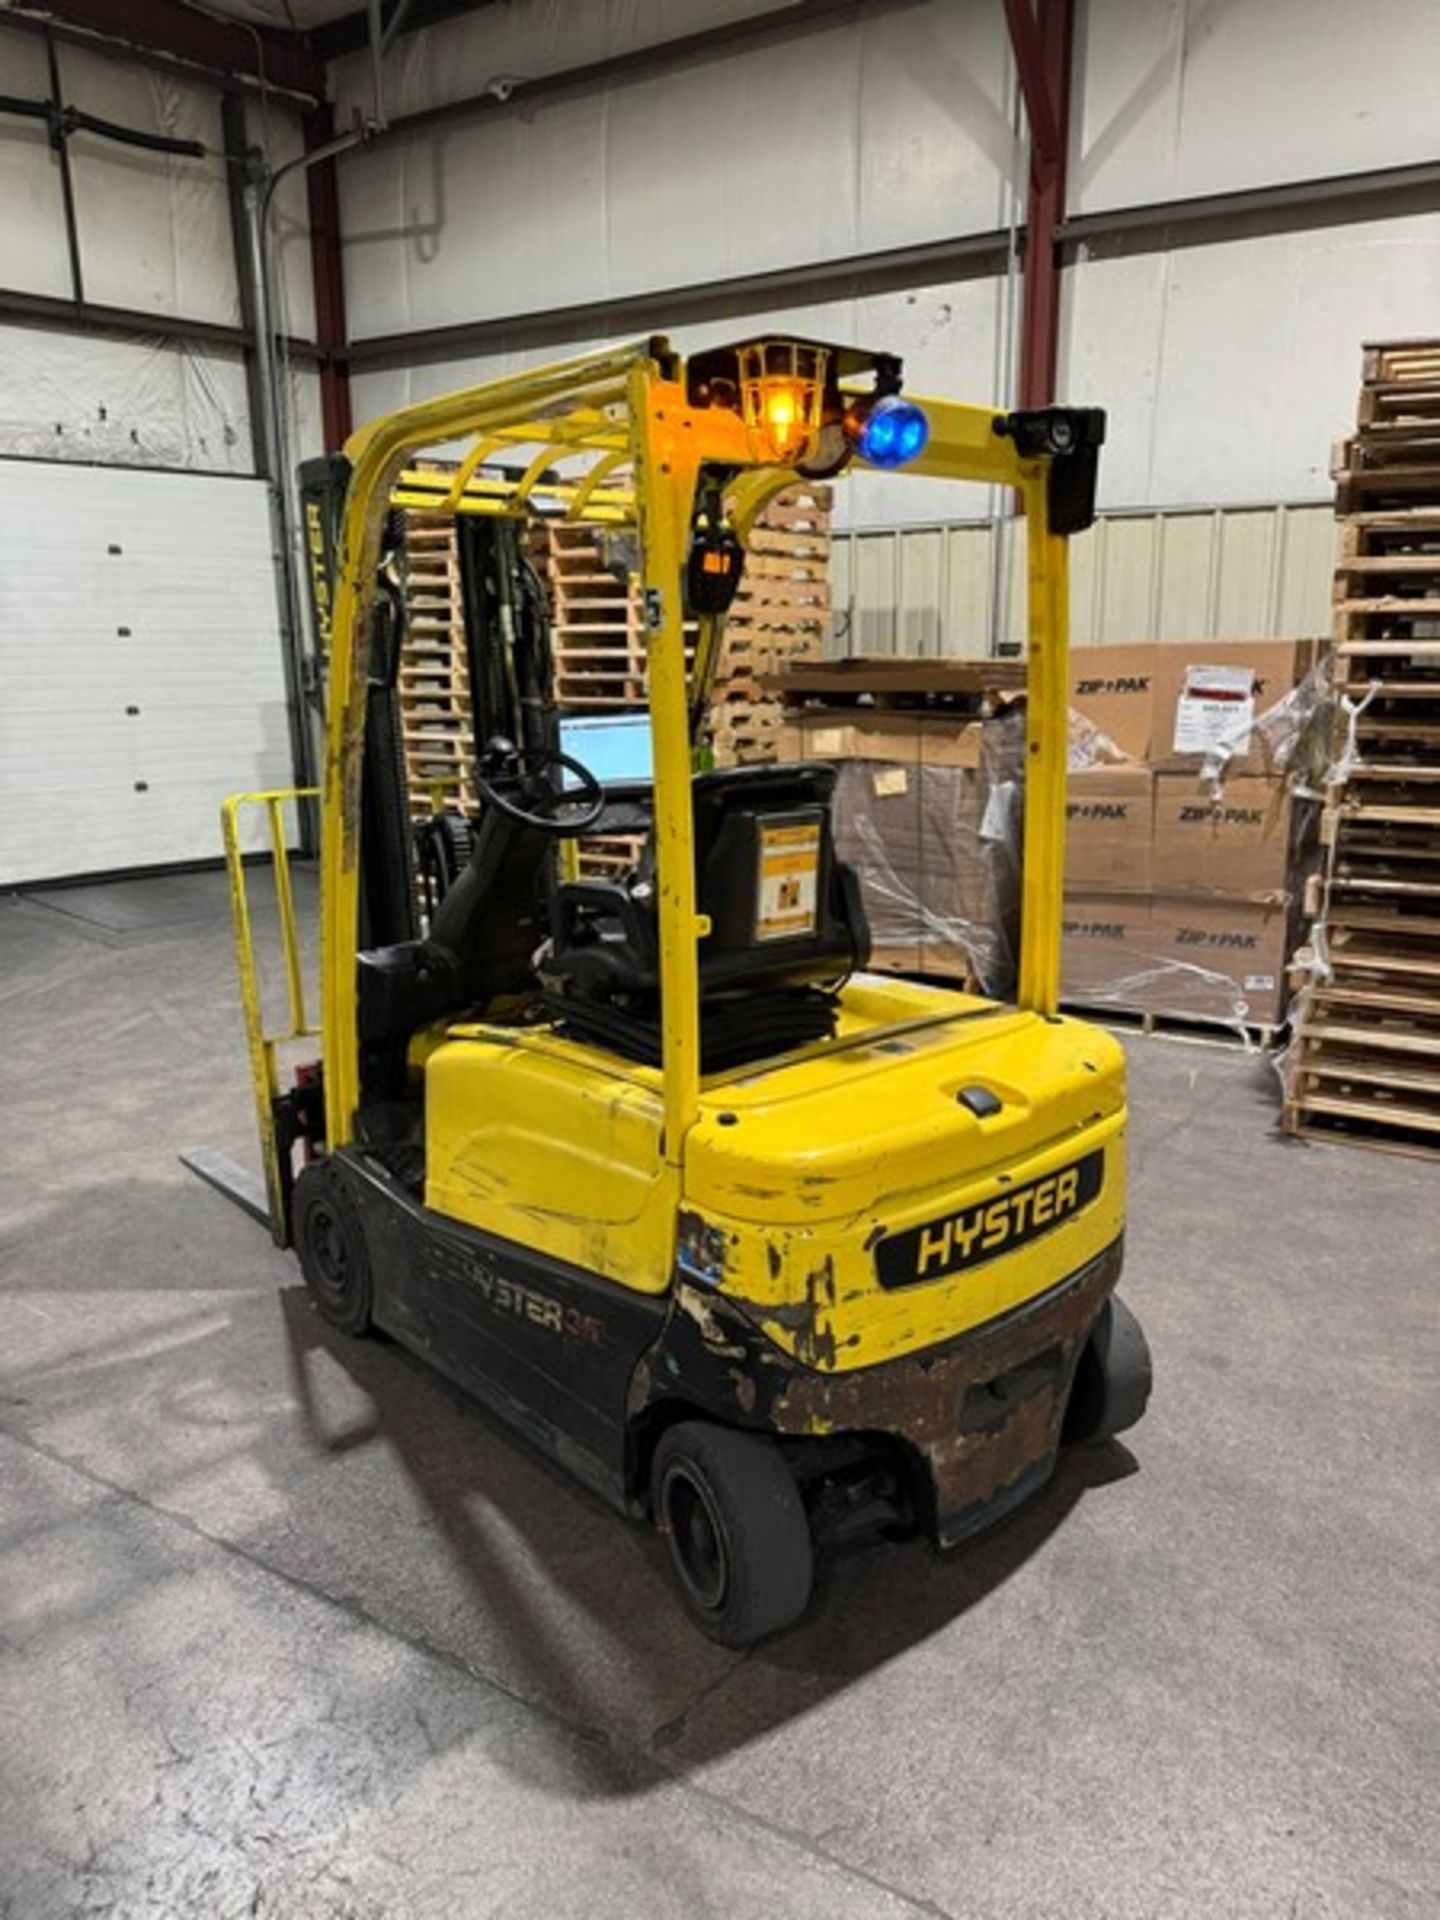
{"x":890,"y":780}
{"x":1215,"y":711}
{"x":1259,"y":983}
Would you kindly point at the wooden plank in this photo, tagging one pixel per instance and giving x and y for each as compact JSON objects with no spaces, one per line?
{"x":1394,"y":811}
{"x":1317,"y":1134}
{"x":1403,"y":644}
{"x":1375,"y":999}
{"x":1396,"y":771}
{"x":1383,"y":1039}
{"x":1423,"y":477}
{"x":1371,"y":1072}
{"x":1416,"y":521}
{"x":1375,"y":917}
{"x":1396,"y":889}
{"x":1421,"y":565}
{"x":1377,"y":1111}
{"x":1347,"y":959}
{"x":1391,"y":603}
{"x":1421,"y":727}
{"x":897,"y":675}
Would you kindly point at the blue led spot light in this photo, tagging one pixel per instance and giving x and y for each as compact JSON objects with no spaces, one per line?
{"x":894,"y":431}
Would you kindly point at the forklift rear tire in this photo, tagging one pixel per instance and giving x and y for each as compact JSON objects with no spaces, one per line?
{"x":739,"y":1539}
{"x":331,"y":1244}
{"x":1112,"y":1381}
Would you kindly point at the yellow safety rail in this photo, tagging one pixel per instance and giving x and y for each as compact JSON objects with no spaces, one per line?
{"x":264,"y":1072}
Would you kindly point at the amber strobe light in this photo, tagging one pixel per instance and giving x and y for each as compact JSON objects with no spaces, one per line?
{"x":782,"y":393}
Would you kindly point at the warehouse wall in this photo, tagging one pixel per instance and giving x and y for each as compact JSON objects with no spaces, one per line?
{"x":140,"y":639}
{"x":1228,"y":367}
{"x":837,"y":141}
{"x":154,"y":236}
{"x":899,"y":132}
{"x":1222,"y":573}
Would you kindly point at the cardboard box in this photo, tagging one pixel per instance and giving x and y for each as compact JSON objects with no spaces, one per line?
{"x":901,"y":739}
{"x":1108,"y":830}
{"x":1105,"y":947}
{"x":1236,"y":847}
{"x":1113,"y":688}
{"x":1208,"y":960}
{"x":1208,"y":694}
{"x":934,"y":885}
{"x":1219,"y":959}
{"x":1133,"y":694}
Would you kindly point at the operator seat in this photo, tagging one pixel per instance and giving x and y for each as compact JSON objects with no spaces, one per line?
{"x":786,"y":926}
{"x":481,"y":943}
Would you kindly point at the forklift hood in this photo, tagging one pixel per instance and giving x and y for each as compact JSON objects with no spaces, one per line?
{"x":900,"y":1188}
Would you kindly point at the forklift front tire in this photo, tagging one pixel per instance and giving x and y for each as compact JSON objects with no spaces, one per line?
{"x":1112,"y":1381}
{"x":331,"y":1244}
{"x":739,"y":1538}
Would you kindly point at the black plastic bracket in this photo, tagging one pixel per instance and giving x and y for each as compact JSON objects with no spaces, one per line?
{"x":1071,"y":439}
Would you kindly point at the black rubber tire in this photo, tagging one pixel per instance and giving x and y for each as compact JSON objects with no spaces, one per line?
{"x":330,"y":1242}
{"x":731,"y":1514}
{"x":1112,"y":1382}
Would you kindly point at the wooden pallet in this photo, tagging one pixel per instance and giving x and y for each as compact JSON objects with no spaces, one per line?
{"x":1250,"y":1034}
{"x":1365,"y":1066}
{"x":1400,"y":362}
{"x":434,"y":683}
{"x":782,"y":611}
{"x":893,"y":681}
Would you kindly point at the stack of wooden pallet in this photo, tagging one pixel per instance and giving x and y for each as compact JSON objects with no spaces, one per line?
{"x":1365,"y":1066}
{"x":434,"y":675}
{"x":598,"y":630}
{"x":781,"y":613}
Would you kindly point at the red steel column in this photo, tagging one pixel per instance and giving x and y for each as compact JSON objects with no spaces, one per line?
{"x":329,"y":280}
{"x":1043,"y":47}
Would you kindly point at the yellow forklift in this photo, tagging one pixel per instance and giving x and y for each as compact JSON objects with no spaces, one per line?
{"x":763,"y":1247}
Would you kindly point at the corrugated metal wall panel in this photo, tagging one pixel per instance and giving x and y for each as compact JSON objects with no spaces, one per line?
{"x":1227,"y":573}
{"x":1186,"y":561}
{"x":1302,"y":599}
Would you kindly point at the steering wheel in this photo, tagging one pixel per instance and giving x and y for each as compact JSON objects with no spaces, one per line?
{"x":519,"y":791}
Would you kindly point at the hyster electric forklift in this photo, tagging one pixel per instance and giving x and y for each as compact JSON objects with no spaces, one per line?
{"x":771,"y":1250}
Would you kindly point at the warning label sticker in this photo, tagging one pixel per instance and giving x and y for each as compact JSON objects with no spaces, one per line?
{"x":1215,"y":711}
{"x":789,"y":880}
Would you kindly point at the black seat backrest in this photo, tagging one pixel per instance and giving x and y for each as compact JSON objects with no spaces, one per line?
{"x":481,"y":943}
{"x":765,"y":876}
{"x":783,"y":911}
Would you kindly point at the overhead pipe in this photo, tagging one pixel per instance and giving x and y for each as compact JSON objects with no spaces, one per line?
{"x":174,"y":31}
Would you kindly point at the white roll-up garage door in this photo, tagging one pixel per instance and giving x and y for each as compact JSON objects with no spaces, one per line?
{"x":140,"y":665}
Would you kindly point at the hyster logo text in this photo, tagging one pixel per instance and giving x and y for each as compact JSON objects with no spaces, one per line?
{"x":509,"y":1297}
{"x":990,"y":1228}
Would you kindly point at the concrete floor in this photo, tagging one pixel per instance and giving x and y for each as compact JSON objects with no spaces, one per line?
{"x":286,"y":1628}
